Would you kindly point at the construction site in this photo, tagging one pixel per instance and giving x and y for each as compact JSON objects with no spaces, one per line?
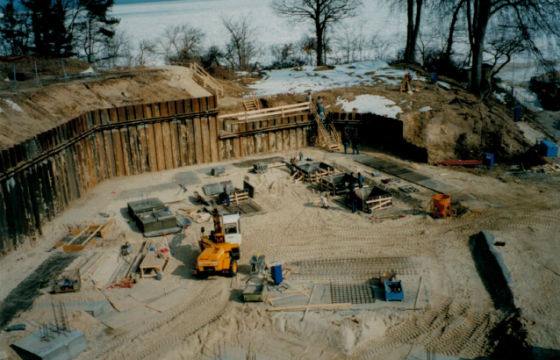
{"x":163,"y":213}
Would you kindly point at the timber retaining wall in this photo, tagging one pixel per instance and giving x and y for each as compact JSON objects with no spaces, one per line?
{"x":40,"y":177}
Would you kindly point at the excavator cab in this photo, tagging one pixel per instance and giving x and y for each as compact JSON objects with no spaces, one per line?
{"x":220,"y":250}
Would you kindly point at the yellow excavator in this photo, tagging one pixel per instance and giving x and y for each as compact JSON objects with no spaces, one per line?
{"x":221,"y":249}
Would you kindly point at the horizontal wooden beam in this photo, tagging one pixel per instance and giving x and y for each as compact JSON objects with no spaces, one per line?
{"x":224,"y":136}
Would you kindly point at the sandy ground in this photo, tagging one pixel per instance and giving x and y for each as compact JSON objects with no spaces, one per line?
{"x":31,"y":112}
{"x":455,"y":316}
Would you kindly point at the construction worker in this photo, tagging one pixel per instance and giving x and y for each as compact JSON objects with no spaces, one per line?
{"x":361,"y":180}
{"x":355,"y":144}
{"x":324,"y":195}
{"x":353,"y":198}
{"x":227,"y":194}
{"x":351,"y":182}
{"x":405,"y":85}
{"x":319,"y":102}
{"x":309,"y":97}
{"x":328,"y":122}
{"x":293,"y":162}
{"x":322,"y":113}
{"x":345,"y":142}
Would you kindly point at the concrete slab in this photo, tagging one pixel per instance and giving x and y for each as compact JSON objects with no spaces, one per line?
{"x":61,"y":346}
{"x":129,"y":317}
{"x":169,"y":301}
{"x":146,"y":292}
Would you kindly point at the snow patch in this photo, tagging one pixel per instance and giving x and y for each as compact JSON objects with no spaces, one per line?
{"x":360,"y":73}
{"x":425,"y":109}
{"x":444,"y":85}
{"x":500,"y":97}
{"x":1,"y":110}
{"x":13,"y":105}
{"x":7,"y":80}
{"x":88,"y":71}
{"x":374,"y":104}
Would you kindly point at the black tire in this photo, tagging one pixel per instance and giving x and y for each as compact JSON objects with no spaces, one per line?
{"x":232,"y":269}
{"x":201,"y":276}
{"x":236,"y":253}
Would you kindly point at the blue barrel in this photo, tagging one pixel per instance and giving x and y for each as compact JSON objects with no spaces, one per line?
{"x":434,"y":77}
{"x":488,"y":159}
{"x":276,"y":273}
{"x":517,"y":113}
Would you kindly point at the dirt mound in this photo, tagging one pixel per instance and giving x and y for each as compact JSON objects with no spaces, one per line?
{"x":28,"y":113}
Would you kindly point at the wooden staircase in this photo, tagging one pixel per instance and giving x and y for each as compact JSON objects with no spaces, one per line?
{"x":206,"y":81}
{"x":253,"y":104}
{"x":330,"y":140}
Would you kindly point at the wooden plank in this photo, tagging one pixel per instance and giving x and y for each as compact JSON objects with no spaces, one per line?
{"x":139,"y":110}
{"x":134,"y":153}
{"x":117,"y":146}
{"x":236,"y":148}
{"x":166,"y":142}
{"x":198,"y":140}
{"x":151,"y":143}
{"x":205,"y":124}
{"x":163,"y":109}
{"x":147,"y":111}
{"x":214,"y":139}
{"x":310,"y":307}
{"x":142,"y":149}
{"x":109,"y":154}
{"x":171,"y":108}
{"x":125,"y":142}
{"x":286,"y":139}
{"x":180,"y":106}
{"x":293,"y":139}
{"x":100,"y":145}
{"x":243,"y":146}
{"x":174,"y":129}
{"x":130,"y":114}
{"x":183,"y":150}
{"x":122,"y":114}
{"x":114,"y":115}
{"x":190,"y":142}
{"x":156,"y":110}
{"x":272,"y":141}
{"x":158,"y":136}
{"x":279,"y":140}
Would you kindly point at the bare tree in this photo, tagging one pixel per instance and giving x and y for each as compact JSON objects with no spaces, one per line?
{"x":414,"y":16}
{"x":502,"y":46}
{"x":242,"y":49}
{"x":322,"y":12}
{"x":532,"y":18}
{"x":353,"y":44}
{"x":145,"y":50}
{"x":180,"y":43}
{"x":115,"y":51}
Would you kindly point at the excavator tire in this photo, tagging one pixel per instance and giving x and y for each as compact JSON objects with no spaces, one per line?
{"x":202,"y":276}
{"x":232,"y":269}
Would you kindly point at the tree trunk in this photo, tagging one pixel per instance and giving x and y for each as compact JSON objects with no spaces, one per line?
{"x":447,"y":55}
{"x":416,"y":30}
{"x":409,"y":29}
{"x":480,"y":22}
{"x":319,"y":33}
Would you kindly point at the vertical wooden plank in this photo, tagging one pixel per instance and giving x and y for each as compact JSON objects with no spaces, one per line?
{"x":138,"y":110}
{"x":174,"y":129}
{"x":198,"y":140}
{"x":183,"y":150}
{"x":109,"y":154}
{"x":166,"y":143}
{"x":117,"y":147}
{"x":100,"y":148}
{"x":163,"y":109}
{"x":195,"y":105}
{"x":236,"y":147}
{"x":134,"y":154}
{"x":243,"y":146}
{"x":188,"y":106}
{"x":203,"y":104}
{"x":272,"y":141}
{"x":213,"y":139}
{"x":130,"y":114}
{"x":147,"y":111}
{"x":279,"y":140}
{"x":114,"y":115}
{"x":171,"y":108}
{"x":156,"y":110}
{"x":142,"y":149}
{"x":125,"y":142}
{"x":180,"y":107}
{"x":159,"y":146}
{"x":191,"y":142}
{"x":121,"y":111}
{"x":151,"y":141}
{"x":205,"y":124}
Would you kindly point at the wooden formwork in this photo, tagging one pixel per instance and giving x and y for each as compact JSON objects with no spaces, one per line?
{"x":373,"y":198}
{"x":335,"y":184}
{"x":312,"y":172}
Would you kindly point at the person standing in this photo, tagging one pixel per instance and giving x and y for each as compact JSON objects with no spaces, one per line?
{"x":355,"y":140}
{"x":322,"y":114}
{"x":353,"y":197}
{"x":361,"y":180}
{"x":319,"y":102}
{"x":324,"y":195}
{"x":309,"y":97}
{"x":227,"y":192}
{"x":345,"y":142}
{"x":351,"y":183}
{"x":328,"y":122}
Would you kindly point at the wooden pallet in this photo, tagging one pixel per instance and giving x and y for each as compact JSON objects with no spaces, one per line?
{"x":152,"y":265}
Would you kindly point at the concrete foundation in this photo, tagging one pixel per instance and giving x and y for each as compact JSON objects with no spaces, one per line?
{"x":60,"y":345}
